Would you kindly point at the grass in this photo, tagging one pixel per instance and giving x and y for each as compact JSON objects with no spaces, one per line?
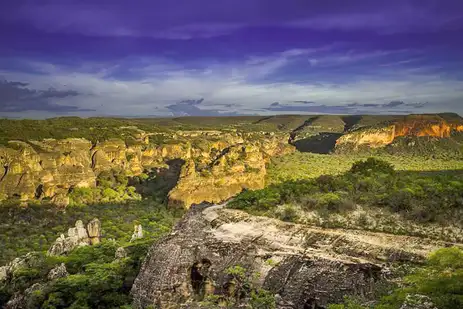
{"x":299,"y":165}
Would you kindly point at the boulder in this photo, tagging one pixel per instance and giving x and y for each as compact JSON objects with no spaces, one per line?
{"x":120,"y":253}
{"x":417,"y":301}
{"x":20,"y":300}
{"x":137,"y":233}
{"x":3,"y":273}
{"x":78,"y":236}
{"x":307,"y":267}
{"x":94,"y":231}
{"x":59,"y":271}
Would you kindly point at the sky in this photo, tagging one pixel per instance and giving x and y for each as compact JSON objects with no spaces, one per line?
{"x":229,"y":57}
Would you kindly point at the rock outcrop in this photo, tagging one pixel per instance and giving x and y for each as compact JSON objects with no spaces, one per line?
{"x":137,"y":233}
{"x":59,"y":271}
{"x":26,"y":261}
{"x":410,"y":126}
{"x":50,"y":169}
{"x":305,"y":267}
{"x":77,"y":236}
{"x":237,"y":167}
{"x":414,"y":301}
{"x":121,"y":253}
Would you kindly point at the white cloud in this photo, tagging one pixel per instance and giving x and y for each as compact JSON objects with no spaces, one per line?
{"x":229,"y":83}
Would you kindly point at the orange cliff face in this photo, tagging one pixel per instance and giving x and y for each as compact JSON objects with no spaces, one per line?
{"x":440,"y":130}
{"x":417,"y":126}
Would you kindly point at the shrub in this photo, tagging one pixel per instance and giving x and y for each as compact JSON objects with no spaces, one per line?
{"x":441,"y":279}
{"x":288,"y":214}
{"x":400,"y":200}
{"x":372,"y":166}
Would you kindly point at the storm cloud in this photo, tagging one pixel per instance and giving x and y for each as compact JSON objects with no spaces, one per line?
{"x":17,"y":97}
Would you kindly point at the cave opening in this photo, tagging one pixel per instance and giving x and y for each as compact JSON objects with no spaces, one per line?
{"x":198,"y":277}
{"x":39,"y":191}
{"x":311,"y":303}
{"x":5,"y":172}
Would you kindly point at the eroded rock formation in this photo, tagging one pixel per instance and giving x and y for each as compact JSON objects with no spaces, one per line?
{"x":303,"y":265}
{"x":59,"y":271}
{"x":414,"y":125}
{"x":51,"y":168}
{"x":238,"y":167}
{"x":137,"y":233}
{"x":77,"y":236}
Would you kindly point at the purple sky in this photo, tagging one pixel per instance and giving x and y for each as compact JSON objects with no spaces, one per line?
{"x":210,"y":57}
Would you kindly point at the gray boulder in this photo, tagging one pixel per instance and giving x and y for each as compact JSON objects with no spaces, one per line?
{"x":59,"y":271}
{"x":77,"y":236}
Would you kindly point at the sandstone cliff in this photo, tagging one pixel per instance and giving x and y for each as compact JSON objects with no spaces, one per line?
{"x":238,"y":167}
{"x":305,"y":266}
{"x":409,"y":126}
{"x":50,"y":168}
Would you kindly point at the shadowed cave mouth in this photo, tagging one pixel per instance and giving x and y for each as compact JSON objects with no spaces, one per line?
{"x":39,"y":191}
{"x":311,"y":303}
{"x":198,"y":276}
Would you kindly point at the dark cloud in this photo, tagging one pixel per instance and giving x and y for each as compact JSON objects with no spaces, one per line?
{"x":189,"y":108}
{"x":192,"y":102}
{"x":416,"y":105}
{"x":304,"y":102}
{"x":324,"y":109}
{"x":393,"y":104}
{"x":363,"y":105}
{"x":351,"y":108}
{"x":17,"y":97}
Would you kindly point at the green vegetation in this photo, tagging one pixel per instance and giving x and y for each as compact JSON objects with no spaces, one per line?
{"x":241,"y":291}
{"x":100,"y":129}
{"x":441,"y":280}
{"x":299,"y":166}
{"x":372,"y":184}
{"x":96,"y":278}
{"x":36,"y":227}
{"x":112,"y":186}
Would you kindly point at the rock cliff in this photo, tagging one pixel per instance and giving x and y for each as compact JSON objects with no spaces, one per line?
{"x":409,"y":126}
{"x":237,"y":167}
{"x":305,"y":267}
{"x":50,"y":168}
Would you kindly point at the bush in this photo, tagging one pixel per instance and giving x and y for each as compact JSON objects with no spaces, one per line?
{"x":400,"y":200}
{"x":441,"y":279}
{"x":372,"y":166}
{"x":288,"y":214}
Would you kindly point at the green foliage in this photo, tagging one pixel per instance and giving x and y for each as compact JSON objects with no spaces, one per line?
{"x":372,"y":183}
{"x":17,"y":237}
{"x":349,"y":303}
{"x":300,"y":166}
{"x":245,"y":294}
{"x":96,"y":280}
{"x":112,"y":186}
{"x":372,"y":166}
{"x":288,"y":214}
{"x":441,"y":279}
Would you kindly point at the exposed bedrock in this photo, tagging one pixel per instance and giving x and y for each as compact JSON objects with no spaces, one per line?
{"x":305,"y":267}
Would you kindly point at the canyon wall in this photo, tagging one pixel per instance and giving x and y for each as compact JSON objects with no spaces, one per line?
{"x":35,"y":170}
{"x":410,"y":126}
